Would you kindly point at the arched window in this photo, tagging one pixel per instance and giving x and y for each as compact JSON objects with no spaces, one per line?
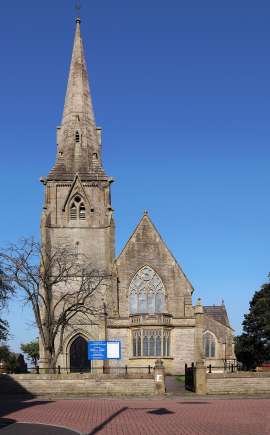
{"x":146,"y":292}
{"x":77,"y":209}
{"x":209,"y":345}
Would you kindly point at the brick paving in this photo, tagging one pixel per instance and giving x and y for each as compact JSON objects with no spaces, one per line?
{"x":177,"y":416}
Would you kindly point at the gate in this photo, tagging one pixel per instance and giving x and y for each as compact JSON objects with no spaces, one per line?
{"x":190,"y":373}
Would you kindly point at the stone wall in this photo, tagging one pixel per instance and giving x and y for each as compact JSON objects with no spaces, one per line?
{"x":238,"y":383}
{"x":183,"y":349}
{"x":145,"y":247}
{"x":83,"y":385}
{"x":124,"y":336}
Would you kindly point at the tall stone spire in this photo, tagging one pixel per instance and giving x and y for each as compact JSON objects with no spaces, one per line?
{"x":78,"y":138}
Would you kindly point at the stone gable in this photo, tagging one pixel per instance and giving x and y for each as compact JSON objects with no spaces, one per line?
{"x":146,"y":247}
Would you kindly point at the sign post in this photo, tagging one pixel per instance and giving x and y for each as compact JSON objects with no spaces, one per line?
{"x":104,"y":350}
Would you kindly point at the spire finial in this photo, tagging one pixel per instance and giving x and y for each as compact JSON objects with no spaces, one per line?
{"x":78,"y":7}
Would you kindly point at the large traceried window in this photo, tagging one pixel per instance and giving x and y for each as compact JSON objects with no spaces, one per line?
{"x":151,"y":342}
{"x":146,"y":292}
{"x":77,"y":209}
{"x":209,"y":345}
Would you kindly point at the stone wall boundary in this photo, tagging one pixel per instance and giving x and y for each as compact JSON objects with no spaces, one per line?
{"x":238,"y":383}
{"x":81,"y":385}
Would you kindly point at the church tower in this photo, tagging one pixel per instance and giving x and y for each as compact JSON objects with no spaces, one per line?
{"x":77,"y":209}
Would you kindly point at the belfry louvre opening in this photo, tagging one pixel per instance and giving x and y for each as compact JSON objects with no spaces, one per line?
{"x":77,"y":209}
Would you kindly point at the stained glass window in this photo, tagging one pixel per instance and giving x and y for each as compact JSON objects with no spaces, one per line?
{"x":146,"y":292}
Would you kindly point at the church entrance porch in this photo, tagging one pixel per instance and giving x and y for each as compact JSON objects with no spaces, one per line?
{"x":78,"y":355}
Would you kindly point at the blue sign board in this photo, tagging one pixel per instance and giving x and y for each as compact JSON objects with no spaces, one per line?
{"x":97,"y":350}
{"x":103,"y":350}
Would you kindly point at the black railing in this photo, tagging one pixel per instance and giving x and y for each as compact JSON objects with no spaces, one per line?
{"x":121,"y":371}
{"x":229,"y":366}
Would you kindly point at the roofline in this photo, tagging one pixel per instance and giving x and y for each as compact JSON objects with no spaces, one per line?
{"x":158,"y":233}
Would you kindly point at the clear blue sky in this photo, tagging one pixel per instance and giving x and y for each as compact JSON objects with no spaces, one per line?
{"x":182,"y":91}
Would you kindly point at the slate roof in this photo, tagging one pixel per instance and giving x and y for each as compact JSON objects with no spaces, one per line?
{"x":218,"y":313}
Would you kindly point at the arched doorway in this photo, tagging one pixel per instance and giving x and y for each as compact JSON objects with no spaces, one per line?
{"x":79,"y":355}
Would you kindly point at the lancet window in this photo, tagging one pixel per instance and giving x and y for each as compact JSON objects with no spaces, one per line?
{"x":77,"y":209}
{"x":209,"y":345}
{"x":146,"y":292}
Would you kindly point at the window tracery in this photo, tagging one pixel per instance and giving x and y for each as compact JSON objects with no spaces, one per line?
{"x":146,"y":292}
{"x":151,"y":342}
{"x":77,"y":209}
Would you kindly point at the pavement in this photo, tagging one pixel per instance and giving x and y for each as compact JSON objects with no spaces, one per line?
{"x":9,"y":428}
{"x":179,"y":415}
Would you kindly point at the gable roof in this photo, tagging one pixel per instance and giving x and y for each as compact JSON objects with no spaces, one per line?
{"x":218,"y":313}
{"x":146,"y":219}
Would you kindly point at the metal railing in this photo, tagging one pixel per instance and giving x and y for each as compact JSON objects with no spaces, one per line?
{"x":229,"y":366}
{"x":121,"y":371}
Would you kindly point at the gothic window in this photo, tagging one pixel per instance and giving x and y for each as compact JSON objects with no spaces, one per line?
{"x":146,"y":292}
{"x":151,"y":342}
{"x":209,"y":345}
{"x":77,"y":209}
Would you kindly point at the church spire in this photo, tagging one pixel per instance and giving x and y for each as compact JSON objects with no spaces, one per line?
{"x":78,"y":138}
{"x":78,"y":100}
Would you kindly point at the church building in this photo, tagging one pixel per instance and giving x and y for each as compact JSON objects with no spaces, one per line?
{"x":147,"y":295}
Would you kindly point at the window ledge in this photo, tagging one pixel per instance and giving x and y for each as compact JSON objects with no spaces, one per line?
{"x":151,"y":357}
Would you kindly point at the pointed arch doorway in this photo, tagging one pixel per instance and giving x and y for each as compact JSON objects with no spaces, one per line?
{"x":78,"y":355}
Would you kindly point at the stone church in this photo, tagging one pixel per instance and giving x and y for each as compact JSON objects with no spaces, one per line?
{"x":148,"y":296}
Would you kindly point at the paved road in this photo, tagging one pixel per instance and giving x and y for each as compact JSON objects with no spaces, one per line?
{"x":177,"y":416}
{"x":8,"y":428}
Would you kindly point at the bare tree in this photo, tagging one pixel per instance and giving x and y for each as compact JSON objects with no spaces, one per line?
{"x":5,"y":292}
{"x":59,"y":286}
